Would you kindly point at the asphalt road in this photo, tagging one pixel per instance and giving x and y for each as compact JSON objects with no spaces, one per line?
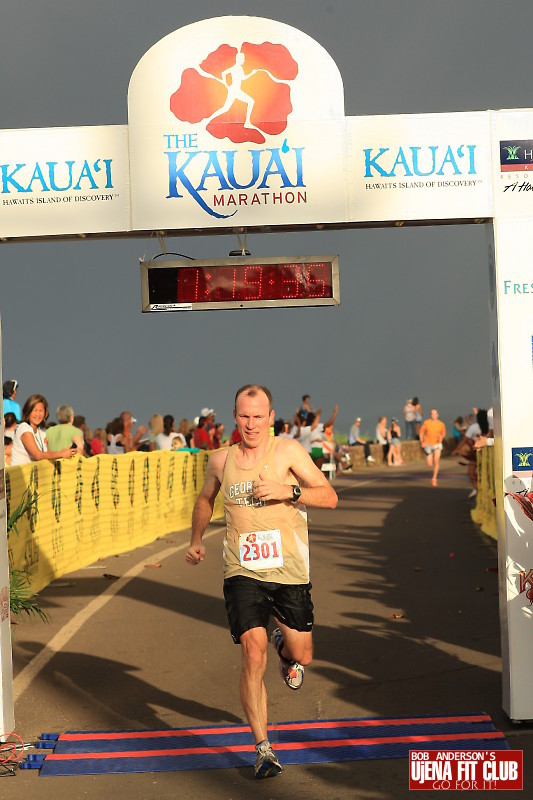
{"x":405,"y":592}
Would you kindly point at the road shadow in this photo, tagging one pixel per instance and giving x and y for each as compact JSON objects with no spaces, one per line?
{"x":121,"y":695}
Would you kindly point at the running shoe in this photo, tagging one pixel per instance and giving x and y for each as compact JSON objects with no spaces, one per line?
{"x":291,"y":672}
{"x":266,"y":762}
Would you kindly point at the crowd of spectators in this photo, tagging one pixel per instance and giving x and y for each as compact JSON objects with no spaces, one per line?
{"x":315,"y":435}
{"x":471,"y":433}
{"x":29,"y":435}
{"x":389,"y":435}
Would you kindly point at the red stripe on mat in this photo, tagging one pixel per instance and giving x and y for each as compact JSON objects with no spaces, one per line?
{"x":372,"y":723}
{"x":279,"y":746}
{"x":286,"y":726}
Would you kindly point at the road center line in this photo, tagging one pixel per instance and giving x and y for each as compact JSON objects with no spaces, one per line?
{"x":65,"y":634}
{"x":68,"y":631}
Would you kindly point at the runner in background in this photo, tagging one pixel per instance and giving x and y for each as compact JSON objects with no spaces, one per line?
{"x":432,"y":434}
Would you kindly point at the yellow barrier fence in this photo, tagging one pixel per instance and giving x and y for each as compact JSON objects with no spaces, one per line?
{"x":90,"y":508}
{"x":484,"y":512}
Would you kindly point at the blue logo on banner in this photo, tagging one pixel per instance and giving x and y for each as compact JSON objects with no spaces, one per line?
{"x":522,"y":459}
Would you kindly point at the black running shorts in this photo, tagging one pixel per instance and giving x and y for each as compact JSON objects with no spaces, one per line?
{"x":250,"y":604}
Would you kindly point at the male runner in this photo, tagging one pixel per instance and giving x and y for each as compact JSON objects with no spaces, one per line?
{"x":431,"y":435}
{"x":266,"y":552}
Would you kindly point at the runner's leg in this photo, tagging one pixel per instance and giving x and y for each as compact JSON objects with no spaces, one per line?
{"x":253,"y":691}
{"x":436,"y":464}
{"x":297,"y":645}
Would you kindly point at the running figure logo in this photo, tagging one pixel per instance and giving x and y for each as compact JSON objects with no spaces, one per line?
{"x":240,"y":93}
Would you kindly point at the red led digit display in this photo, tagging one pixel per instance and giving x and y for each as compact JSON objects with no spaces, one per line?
{"x":243,"y":282}
{"x":254,"y":282}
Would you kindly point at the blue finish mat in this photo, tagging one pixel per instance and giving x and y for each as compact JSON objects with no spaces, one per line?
{"x":226,"y":746}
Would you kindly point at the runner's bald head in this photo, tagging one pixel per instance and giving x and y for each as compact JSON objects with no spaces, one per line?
{"x":252,"y":390}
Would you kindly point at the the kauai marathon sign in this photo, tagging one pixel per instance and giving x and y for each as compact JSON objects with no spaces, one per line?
{"x":236,"y":121}
{"x":239,"y":122}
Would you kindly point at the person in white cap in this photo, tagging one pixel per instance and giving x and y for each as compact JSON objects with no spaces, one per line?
{"x":209,"y":416}
{"x":210,"y":424}
{"x":131,"y":440}
{"x":355,"y":439}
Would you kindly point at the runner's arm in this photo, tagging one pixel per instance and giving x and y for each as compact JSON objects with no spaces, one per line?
{"x":203,"y":510}
{"x":316,"y":491}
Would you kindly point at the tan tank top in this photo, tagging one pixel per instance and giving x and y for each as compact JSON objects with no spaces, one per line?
{"x":246,"y":515}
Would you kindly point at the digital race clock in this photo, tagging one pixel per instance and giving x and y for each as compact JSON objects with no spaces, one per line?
{"x":242,"y":282}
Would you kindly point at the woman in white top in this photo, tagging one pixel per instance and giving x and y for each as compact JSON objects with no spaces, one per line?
{"x":164,"y":440}
{"x":382,"y":436}
{"x":115,"y":437}
{"x":29,"y":443}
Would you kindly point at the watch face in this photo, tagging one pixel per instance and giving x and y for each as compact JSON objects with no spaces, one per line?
{"x":296,"y":492}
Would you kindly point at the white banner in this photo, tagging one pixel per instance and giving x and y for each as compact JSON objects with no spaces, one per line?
{"x":236,"y":121}
{"x":56,"y":181}
{"x":512,"y":148}
{"x":419,"y":167}
{"x":514,"y":297}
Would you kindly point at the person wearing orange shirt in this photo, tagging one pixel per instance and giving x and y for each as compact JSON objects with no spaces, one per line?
{"x":432,"y":433}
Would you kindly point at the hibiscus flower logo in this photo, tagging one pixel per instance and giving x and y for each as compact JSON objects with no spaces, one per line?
{"x":240,"y":92}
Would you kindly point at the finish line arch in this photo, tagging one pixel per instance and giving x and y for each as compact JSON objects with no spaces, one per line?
{"x":238,"y":124}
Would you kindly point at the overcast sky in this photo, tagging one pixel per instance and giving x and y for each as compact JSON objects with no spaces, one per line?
{"x":414,"y":312}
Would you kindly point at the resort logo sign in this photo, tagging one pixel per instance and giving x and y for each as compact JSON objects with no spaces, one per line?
{"x":522,"y":459}
{"x":516,"y":155}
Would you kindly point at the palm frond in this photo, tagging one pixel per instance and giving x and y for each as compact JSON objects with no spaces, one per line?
{"x":26,"y":503}
{"x":21,"y":599}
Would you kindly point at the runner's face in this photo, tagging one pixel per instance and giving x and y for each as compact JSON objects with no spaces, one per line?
{"x":253,"y":418}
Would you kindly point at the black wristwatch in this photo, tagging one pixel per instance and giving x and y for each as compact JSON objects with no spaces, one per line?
{"x":296,"y":492}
